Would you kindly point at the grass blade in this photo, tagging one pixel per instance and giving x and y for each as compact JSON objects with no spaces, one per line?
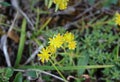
{"x":67,"y":67}
{"x":21,"y":44}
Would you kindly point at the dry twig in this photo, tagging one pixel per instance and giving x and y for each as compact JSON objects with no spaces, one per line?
{"x":16,"y":6}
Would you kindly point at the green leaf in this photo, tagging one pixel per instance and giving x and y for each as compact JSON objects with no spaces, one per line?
{"x":8,"y":72}
{"x":56,"y":8}
{"x":82,"y":61}
{"x":21,"y":44}
{"x":32,"y":74}
{"x":46,"y":2}
{"x":4,"y":4}
{"x":91,"y":2}
{"x":2,"y":70}
{"x":50,"y":3}
{"x":18,"y":77}
{"x":26,"y":81}
{"x":107,"y":3}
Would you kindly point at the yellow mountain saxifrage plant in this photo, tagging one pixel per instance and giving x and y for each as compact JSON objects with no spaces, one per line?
{"x":62,"y":4}
{"x":69,"y":38}
{"x":55,"y":43}
{"x":72,"y":45}
{"x":117,"y":18}
{"x":51,"y":49}
{"x":44,"y":56}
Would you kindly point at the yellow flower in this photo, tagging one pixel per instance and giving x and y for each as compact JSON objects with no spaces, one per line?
{"x":44,"y":56}
{"x":117,"y":18}
{"x":68,"y":37}
{"x":72,"y":45}
{"x":62,"y":4}
{"x":56,"y":41}
{"x":51,"y":49}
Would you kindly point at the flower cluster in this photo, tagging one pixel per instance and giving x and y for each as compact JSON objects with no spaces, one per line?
{"x":117,"y":18}
{"x":55,"y":43}
{"x":69,"y":38}
{"x":62,"y":4}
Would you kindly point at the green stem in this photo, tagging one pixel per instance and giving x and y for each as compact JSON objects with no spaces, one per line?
{"x":44,"y":25}
{"x":118,"y":51}
{"x":58,"y":71}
